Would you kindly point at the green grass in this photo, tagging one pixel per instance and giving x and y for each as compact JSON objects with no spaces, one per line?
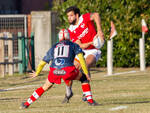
{"x":131,"y":90}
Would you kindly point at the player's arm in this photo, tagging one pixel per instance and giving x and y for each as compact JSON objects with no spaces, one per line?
{"x":83,"y":65}
{"x":95,"y":16}
{"x":46,"y":59}
{"x":83,"y":45}
{"x":39,"y":69}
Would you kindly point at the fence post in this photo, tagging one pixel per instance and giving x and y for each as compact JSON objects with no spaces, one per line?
{"x":142,"y":53}
{"x":32,"y":51}
{"x":2,"y":70}
{"x":23,"y":54}
{"x":110,"y":57}
{"x":10,"y":55}
{"x":20,"y":52}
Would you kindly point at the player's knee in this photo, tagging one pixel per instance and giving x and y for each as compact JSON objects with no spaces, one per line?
{"x":47,"y":86}
{"x":90,"y":60}
{"x":83,"y":78}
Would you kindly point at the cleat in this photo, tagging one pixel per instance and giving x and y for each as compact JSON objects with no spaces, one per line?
{"x":23,"y":106}
{"x":84,"y":97}
{"x":93,"y":104}
{"x":67,"y":98}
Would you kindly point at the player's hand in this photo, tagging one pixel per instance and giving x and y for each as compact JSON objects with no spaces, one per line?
{"x":88,"y":77}
{"x":33,"y":74}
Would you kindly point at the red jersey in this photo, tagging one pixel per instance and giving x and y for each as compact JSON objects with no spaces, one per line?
{"x":84,"y":31}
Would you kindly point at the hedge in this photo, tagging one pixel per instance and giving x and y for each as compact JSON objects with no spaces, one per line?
{"x":126,"y":15}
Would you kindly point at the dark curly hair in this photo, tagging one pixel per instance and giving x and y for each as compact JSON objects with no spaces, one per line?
{"x":74,"y":9}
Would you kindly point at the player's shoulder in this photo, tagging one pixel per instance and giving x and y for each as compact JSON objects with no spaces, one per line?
{"x":86,"y":14}
{"x":86,"y":17}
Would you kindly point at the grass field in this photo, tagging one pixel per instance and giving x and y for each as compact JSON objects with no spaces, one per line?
{"x":122,"y":93}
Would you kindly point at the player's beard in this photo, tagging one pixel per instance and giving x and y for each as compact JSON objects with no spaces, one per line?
{"x":73,"y":22}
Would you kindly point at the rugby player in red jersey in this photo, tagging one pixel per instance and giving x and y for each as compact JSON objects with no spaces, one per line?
{"x":83,"y":31}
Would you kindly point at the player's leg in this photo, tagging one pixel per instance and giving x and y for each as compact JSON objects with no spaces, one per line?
{"x":86,"y":88}
{"x":90,"y":60}
{"x":72,"y":73}
{"x":69,"y":89}
{"x":75,"y":74}
{"x":36,"y":94}
{"x":91,"y":57}
{"x":69,"y":92}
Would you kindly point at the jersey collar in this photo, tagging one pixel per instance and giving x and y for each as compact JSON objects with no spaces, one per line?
{"x":73,"y":27}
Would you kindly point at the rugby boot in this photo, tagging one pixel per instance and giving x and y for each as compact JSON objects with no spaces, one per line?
{"x":84,"y":97}
{"x":94,"y":103}
{"x":23,"y":106}
{"x":67,"y":98}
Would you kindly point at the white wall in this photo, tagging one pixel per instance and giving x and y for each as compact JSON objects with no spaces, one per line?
{"x":44,"y":27}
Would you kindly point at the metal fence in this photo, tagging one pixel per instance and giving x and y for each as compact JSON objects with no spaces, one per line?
{"x":11,"y":26}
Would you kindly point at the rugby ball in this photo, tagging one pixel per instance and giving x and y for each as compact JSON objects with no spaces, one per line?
{"x":97,"y":42}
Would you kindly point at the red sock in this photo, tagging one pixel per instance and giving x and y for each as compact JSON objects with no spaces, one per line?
{"x":36,"y":94}
{"x":87,"y":91}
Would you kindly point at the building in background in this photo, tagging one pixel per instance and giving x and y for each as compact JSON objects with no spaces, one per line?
{"x":33,"y":5}
{"x":23,"y":6}
{"x":9,"y":6}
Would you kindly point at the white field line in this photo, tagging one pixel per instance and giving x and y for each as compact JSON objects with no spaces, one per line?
{"x":21,"y":87}
{"x":27,"y":86}
{"x":118,"y":108}
{"x":128,"y":72}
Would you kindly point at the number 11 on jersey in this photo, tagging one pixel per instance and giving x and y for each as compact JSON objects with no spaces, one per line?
{"x":61,"y":51}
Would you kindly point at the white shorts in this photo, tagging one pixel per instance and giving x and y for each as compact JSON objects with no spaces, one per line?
{"x":95,"y":52}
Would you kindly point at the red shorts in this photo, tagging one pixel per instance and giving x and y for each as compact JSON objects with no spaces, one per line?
{"x":70,"y":74}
